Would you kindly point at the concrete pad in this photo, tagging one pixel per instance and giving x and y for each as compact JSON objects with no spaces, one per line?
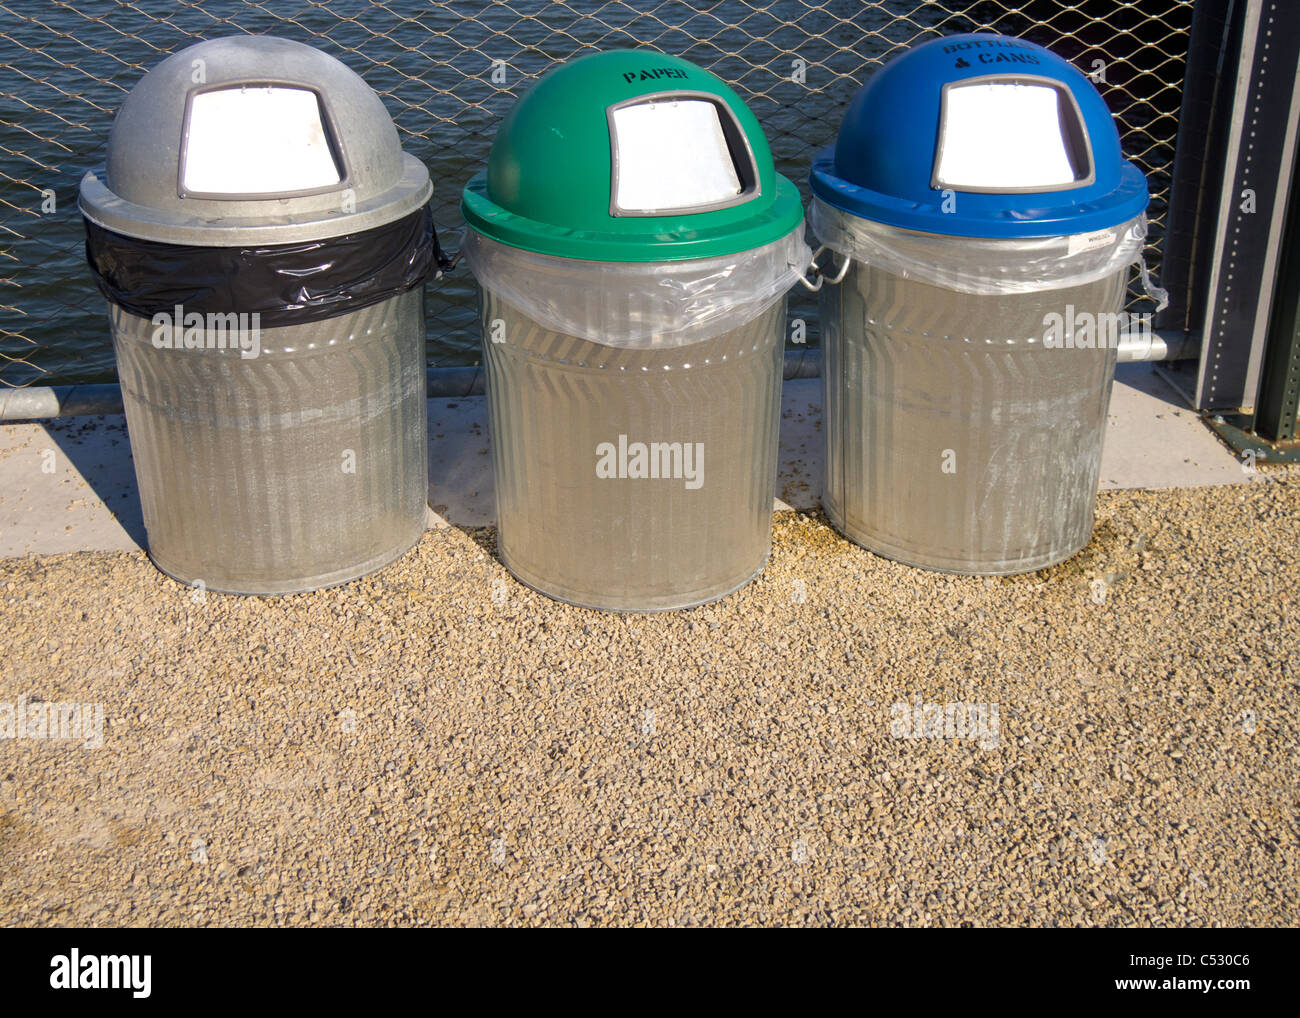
{"x":460,"y":462}
{"x":69,"y":484}
{"x":1154,"y":440}
{"x":799,"y":460}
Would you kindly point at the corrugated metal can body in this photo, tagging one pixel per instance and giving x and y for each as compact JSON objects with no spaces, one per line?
{"x":299,"y":468}
{"x":953,"y":442}
{"x":567,"y":417}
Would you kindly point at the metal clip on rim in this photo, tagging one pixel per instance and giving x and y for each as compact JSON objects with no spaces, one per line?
{"x":817,"y":270}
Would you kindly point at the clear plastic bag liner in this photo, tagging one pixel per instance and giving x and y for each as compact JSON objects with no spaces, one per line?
{"x":983,"y":266}
{"x":639,"y":305}
{"x":1157,"y":293}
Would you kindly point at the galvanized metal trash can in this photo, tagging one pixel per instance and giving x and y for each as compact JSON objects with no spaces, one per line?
{"x":633,"y":245}
{"x":978,"y":190}
{"x":262,"y":241}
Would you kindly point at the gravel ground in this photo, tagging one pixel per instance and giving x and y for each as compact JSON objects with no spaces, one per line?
{"x":437,"y":744}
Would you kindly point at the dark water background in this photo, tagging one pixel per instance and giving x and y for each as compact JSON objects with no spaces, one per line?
{"x":65,"y":68}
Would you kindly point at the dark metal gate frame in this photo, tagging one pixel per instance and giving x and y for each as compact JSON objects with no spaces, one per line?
{"x":1231,"y":264}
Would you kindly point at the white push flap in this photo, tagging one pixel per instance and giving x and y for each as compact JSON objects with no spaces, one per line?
{"x":1010,"y":136}
{"x":672,"y":155}
{"x":256,"y":140}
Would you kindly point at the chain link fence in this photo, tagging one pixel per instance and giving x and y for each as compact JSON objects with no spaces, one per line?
{"x":449,"y":71}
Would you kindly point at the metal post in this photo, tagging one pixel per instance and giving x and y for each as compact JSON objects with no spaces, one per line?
{"x":1204,"y":118}
{"x":1247,"y":226}
{"x":1275,"y":417}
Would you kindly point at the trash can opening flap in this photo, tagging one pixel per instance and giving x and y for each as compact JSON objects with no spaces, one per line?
{"x":678,"y":152}
{"x":1005,"y":135}
{"x":283,"y":129}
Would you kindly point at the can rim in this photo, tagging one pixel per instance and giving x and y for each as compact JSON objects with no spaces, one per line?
{"x":105,"y":208}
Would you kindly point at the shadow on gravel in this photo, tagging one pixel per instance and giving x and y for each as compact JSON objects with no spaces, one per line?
{"x":484,"y":537}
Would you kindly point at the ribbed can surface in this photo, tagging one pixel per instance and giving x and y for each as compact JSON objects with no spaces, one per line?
{"x":953,"y":442}
{"x":299,"y":468}
{"x":567,"y":417}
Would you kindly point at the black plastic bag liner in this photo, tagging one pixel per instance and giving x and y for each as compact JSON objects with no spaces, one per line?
{"x":287,"y":284}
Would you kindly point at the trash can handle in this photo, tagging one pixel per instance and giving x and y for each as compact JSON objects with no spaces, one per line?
{"x":817,"y":271}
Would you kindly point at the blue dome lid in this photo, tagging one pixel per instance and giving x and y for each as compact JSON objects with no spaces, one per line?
{"x":980,"y":135}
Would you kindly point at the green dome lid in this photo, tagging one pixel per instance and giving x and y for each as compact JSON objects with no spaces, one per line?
{"x":631,"y":156}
